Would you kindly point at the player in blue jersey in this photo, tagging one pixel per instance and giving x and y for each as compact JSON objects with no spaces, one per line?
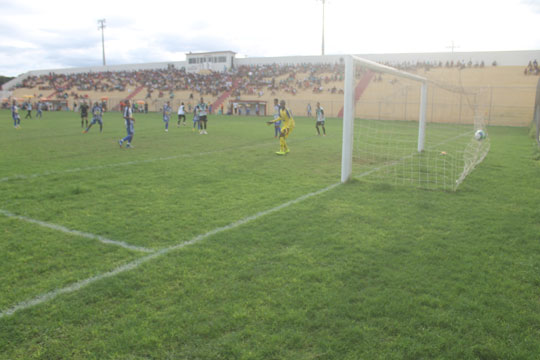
{"x":15,"y":115}
{"x":97,"y":116}
{"x":166,"y":115}
{"x":130,"y":122}
{"x":277,"y":124}
{"x":203,"y":111}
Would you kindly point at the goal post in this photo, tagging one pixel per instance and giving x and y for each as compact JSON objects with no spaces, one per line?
{"x":349,"y":107}
{"x":422,"y":119}
{"x":405,"y":129}
{"x":535,"y":125}
{"x":348,"y":121}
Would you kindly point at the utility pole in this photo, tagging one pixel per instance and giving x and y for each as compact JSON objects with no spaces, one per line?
{"x":323,"y":2}
{"x":102,"y":26}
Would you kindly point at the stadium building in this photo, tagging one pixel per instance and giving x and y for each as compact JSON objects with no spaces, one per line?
{"x":250,"y":83}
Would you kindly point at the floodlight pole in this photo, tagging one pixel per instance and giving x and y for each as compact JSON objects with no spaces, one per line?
{"x":452,"y":47}
{"x":323,"y":2}
{"x":102,"y":26}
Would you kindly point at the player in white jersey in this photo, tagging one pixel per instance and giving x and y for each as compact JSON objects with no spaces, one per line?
{"x":130,"y":122}
{"x":181,"y":115}
{"x":15,"y":115}
{"x":203,"y":111}
{"x":29,"y":110}
{"x":39,"y":108}
{"x":319,"y":112}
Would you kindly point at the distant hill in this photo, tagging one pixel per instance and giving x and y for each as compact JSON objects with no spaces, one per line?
{"x":4,"y":79}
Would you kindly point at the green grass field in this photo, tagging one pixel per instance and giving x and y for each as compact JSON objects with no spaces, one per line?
{"x":238,"y":268}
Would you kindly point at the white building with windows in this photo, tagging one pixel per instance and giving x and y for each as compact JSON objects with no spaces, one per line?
{"x":215,"y":61}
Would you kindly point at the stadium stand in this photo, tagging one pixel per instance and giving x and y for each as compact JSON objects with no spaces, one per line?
{"x":300,"y":83}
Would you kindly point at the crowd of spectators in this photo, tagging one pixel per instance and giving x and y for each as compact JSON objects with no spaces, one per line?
{"x":412,"y":66}
{"x":532,"y":68}
{"x":256,"y":79}
{"x":158,"y":83}
{"x":92,"y":81}
{"x":245,"y":80}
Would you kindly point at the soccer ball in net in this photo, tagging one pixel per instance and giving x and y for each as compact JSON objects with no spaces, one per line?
{"x":479,"y":135}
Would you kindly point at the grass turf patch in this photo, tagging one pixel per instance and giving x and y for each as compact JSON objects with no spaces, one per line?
{"x":362,"y":271}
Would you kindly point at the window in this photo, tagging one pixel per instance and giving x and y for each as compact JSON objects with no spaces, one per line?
{"x":210,"y":59}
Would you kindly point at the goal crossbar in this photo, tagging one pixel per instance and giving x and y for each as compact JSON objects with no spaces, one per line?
{"x":372,"y":65}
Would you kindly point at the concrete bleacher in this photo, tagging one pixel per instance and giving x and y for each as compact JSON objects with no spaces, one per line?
{"x":511,"y":93}
{"x":506,"y":92}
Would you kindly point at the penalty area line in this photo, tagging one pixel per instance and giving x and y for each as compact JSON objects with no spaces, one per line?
{"x":138,"y":262}
{"x":63,"y":229}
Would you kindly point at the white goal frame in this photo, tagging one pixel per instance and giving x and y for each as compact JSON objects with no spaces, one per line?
{"x":349,"y":107}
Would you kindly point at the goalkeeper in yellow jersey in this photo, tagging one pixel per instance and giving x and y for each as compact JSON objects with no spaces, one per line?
{"x":287,"y":125}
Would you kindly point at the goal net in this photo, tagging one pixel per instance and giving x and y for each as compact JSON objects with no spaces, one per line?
{"x":535,"y":124}
{"x":405,"y":129}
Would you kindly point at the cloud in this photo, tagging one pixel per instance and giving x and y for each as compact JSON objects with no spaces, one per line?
{"x":185,"y":44}
{"x":534,"y":5}
{"x":9,"y":31}
{"x":60,"y":33}
{"x":73,"y":58}
{"x":53,"y":41}
{"x":15,"y":7}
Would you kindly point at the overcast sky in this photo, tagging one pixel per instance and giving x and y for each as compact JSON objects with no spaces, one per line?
{"x":50,"y":34}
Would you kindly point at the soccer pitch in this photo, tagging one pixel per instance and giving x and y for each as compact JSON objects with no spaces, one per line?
{"x":212,"y":247}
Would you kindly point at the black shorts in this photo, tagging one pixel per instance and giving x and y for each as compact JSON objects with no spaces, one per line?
{"x":320,"y":123}
{"x":203,"y":118}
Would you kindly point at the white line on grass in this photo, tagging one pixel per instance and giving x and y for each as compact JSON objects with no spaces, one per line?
{"x":76,"y":232}
{"x":136,"y":263}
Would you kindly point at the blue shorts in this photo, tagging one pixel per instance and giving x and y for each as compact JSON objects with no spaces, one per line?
{"x":130,"y":129}
{"x":95,"y":120}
